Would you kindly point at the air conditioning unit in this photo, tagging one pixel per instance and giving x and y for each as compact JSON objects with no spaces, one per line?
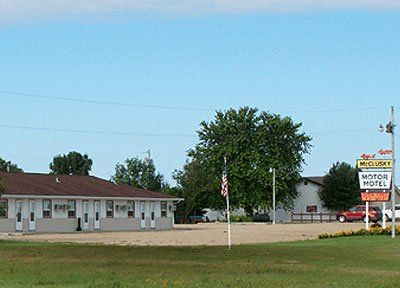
{"x":121,"y":207}
{"x":61,"y":207}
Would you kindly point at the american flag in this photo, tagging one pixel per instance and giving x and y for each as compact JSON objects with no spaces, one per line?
{"x":224,"y":185}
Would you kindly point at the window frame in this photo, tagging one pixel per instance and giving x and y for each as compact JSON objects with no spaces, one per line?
{"x":50,"y":210}
{"x":164,"y":210}
{"x":5,"y":208}
{"x":132,"y":203}
{"x":69,"y":216}
{"x":112,"y":210}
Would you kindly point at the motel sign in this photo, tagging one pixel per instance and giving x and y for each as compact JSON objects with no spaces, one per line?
{"x":375,"y":180}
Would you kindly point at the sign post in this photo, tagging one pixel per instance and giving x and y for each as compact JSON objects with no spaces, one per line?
{"x":367,"y":215}
{"x":383,"y":215}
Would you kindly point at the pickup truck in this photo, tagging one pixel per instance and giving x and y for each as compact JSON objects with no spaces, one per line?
{"x":388,"y":212}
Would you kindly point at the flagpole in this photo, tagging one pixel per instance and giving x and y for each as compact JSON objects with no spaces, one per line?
{"x":228,"y":214}
{"x":229,"y":223}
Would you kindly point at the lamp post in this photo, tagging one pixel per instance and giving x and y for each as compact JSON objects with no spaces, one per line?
{"x":390,"y":129}
{"x":273,"y":171}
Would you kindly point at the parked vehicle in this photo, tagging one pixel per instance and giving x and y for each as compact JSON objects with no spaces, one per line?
{"x":258,"y":217}
{"x":388,"y":213}
{"x":358,"y":213}
{"x":193,"y":219}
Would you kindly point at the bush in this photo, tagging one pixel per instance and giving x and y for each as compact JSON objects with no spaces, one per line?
{"x":242,"y":218}
{"x":375,"y":230}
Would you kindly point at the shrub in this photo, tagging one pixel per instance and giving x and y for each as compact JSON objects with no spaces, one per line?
{"x":375,"y":230}
{"x":242,"y":218}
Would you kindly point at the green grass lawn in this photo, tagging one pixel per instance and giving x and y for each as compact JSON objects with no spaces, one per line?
{"x":369,"y":261}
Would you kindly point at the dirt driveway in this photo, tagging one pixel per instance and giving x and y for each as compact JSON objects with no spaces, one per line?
{"x":198,"y":234}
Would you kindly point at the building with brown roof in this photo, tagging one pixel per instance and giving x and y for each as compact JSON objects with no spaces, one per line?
{"x":66,"y":203}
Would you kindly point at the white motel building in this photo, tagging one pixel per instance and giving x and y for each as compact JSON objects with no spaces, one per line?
{"x":64,"y":203}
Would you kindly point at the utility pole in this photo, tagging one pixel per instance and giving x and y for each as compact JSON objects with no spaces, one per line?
{"x":148,"y":152}
{"x":390,"y":129}
{"x":273,"y":193}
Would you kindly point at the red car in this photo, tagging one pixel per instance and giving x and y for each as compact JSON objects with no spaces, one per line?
{"x":358,"y":213}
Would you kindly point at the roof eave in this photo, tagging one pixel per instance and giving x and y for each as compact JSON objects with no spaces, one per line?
{"x":16,"y":196}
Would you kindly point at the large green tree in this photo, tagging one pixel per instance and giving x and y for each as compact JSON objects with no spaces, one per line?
{"x":8,"y":166}
{"x":341,"y":187}
{"x":139,"y":173}
{"x":252,"y":142}
{"x":73,"y":163}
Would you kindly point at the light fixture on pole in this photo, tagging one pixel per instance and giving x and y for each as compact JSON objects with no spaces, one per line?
{"x":272,"y":170}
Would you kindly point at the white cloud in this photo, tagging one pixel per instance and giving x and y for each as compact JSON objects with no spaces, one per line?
{"x":36,"y":9}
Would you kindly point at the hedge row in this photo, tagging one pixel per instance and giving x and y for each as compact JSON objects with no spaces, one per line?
{"x":360,"y":232}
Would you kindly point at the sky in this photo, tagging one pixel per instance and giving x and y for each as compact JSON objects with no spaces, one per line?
{"x":146,"y":73}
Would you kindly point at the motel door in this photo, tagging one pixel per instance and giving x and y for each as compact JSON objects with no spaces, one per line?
{"x":142,"y":214}
{"x":18,"y":215}
{"x":85,"y":215}
{"x":152,"y":215}
{"x":96,"y":215}
{"x":32,"y":215}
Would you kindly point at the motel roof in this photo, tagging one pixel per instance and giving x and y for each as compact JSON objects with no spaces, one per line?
{"x":34,"y":184}
{"x":319,"y":180}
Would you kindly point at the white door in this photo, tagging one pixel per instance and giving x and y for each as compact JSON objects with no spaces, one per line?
{"x":85,"y":215}
{"x":32,"y":215}
{"x":142,"y":214}
{"x":18,"y":215}
{"x":152,"y":215}
{"x":96,"y":215}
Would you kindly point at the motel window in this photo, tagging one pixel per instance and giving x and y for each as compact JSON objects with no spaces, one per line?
{"x":110,"y":209}
{"x":163,"y":209}
{"x":312,"y":208}
{"x":131,"y":209}
{"x":46,"y":208}
{"x":71,"y":209}
{"x":3,"y":208}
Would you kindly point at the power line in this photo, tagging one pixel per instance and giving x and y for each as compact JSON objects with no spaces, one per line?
{"x":121,"y":133}
{"x":343,"y":131}
{"x":110,"y":103}
{"x":176,"y":108}
{"x":96,"y":131}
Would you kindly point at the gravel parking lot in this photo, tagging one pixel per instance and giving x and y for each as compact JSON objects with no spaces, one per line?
{"x":197,"y":234}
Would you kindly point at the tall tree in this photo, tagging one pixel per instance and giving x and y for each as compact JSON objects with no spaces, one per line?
{"x":74,"y":163}
{"x":8,"y":166}
{"x":139,"y":173}
{"x":341,"y":188}
{"x":252,"y":142}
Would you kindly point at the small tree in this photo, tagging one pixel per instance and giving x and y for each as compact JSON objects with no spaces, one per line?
{"x":140,"y":174}
{"x":341,"y":187}
{"x":74,"y":163}
{"x":195,"y":184}
{"x":2,"y":204}
{"x":8,"y":166}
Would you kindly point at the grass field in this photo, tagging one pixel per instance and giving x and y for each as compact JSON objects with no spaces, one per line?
{"x":371,"y":261}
